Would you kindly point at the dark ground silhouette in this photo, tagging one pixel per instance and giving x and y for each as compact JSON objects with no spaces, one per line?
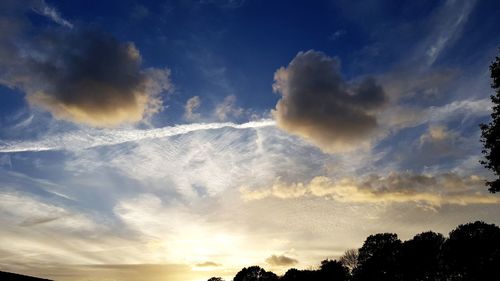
{"x":470,"y":253}
{"x":7,"y":276}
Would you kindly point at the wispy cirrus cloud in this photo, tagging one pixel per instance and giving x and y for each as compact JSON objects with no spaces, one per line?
{"x":93,"y":137}
{"x":41,"y":7}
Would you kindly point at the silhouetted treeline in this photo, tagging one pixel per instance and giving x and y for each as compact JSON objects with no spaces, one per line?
{"x":470,"y":253}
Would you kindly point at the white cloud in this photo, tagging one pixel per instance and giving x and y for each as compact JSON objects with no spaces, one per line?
{"x":448,"y":24}
{"x":227,"y":109}
{"x":42,"y":8}
{"x":191,"y":106}
{"x":88,"y":138}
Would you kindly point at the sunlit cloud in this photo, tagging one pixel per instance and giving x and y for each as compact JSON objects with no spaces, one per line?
{"x":433,"y":191}
{"x":83,"y":75}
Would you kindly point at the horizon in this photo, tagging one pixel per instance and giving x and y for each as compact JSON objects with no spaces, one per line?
{"x":185,"y":139}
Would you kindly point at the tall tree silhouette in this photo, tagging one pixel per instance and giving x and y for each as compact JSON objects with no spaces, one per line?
{"x":350,"y":259}
{"x":490,"y":136}
{"x":472,"y":253}
{"x":377,"y":259}
{"x":333,"y":270}
{"x":419,"y":258}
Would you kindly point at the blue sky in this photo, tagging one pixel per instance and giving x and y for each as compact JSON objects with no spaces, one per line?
{"x":191,"y":138}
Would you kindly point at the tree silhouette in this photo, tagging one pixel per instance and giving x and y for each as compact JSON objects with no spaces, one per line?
{"x":299,"y":275}
{"x":215,"y":279}
{"x":472,"y":252}
{"x":490,"y":133}
{"x":333,"y":270}
{"x":377,"y":258}
{"x":419,"y":258}
{"x":350,"y":259}
{"x":255,"y":273}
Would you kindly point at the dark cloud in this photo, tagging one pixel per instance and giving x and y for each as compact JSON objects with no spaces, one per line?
{"x":320,"y":105}
{"x":281,"y":260}
{"x":78,"y":74}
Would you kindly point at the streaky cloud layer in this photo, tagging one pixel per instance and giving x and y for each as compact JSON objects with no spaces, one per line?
{"x":99,"y":137}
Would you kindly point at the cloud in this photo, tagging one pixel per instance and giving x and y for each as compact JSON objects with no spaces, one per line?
{"x":438,"y":140}
{"x":227,"y":108}
{"x":317,"y":103}
{"x":81,"y":75}
{"x":437,"y":148}
{"x":139,"y":12}
{"x":22,"y":210}
{"x":407,"y":116}
{"x":191,"y":106}
{"x":205,"y":163}
{"x":337,"y":34}
{"x":84,"y":139}
{"x":208,"y":264}
{"x":427,"y":190}
{"x":281,"y":260}
{"x":42,"y":8}
{"x":448,"y":24}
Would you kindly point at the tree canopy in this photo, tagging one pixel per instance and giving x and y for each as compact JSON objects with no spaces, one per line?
{"x":470,"y":253}
{"x":490,"y":133}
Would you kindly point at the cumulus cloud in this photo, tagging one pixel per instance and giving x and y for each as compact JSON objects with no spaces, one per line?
{"x":81,"y":75}
{"x":426,"y":190}
{"x":317,"y":103}
{"x":191,"y":106}
{"x":281,"y":260}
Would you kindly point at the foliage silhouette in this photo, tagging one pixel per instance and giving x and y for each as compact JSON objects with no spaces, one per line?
{"x":490,"y":133}
{"x":471,"y":253}
{"x":255,"y":273}
{"x":377,"y":258}
{"x":419,"y":258}
{"x":215,"y":279}
{"x":350,"y":259}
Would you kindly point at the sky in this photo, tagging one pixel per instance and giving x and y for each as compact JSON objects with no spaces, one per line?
{"x":179,"y":140}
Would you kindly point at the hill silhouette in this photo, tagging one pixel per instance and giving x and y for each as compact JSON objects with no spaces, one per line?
{"x":471,"y":252}
{"x":8,"y":276}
